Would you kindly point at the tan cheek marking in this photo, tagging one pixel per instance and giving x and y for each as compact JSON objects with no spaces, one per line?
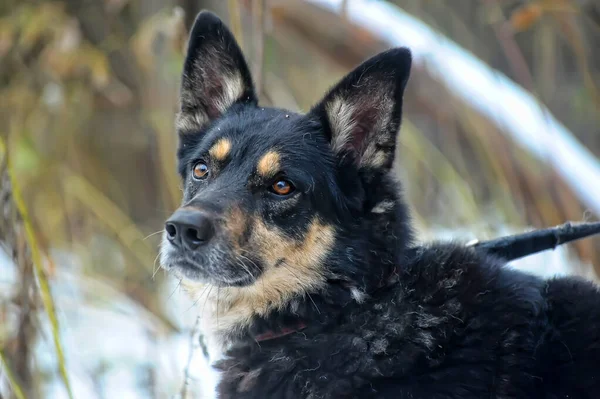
{"x":236,"y":224}
{"x":269,"y":164}
{"x":220,"y":150}
{"x":301,"y":272}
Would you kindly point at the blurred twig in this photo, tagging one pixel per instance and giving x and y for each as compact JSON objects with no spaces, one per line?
{"x":344,"y":8}
{"x":12,"y":378}
{"x":235,"y":21}
{"x":36,"y":257}
{"x":12,"y":238}
{"x":194,"y":345}
{"x":575,"y":38}
{"x":258,"y":26}
{"x":505,"y":34}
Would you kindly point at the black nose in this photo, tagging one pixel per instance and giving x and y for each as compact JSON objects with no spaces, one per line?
{"x":189,"y":227}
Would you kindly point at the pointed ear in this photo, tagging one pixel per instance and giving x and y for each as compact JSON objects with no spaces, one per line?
{"x":362,"y":113}
{"x":215,"y":75}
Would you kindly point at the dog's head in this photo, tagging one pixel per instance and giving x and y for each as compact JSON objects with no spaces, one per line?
{"x":277,"y":203}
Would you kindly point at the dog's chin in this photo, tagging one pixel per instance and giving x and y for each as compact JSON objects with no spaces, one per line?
{"x":242,"y":281}
{"x":209,"y":269}
{"x":196,"y":273}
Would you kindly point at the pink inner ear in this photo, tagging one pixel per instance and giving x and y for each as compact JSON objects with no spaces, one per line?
{"x":213,"y":94}
{"x":362,"y":133}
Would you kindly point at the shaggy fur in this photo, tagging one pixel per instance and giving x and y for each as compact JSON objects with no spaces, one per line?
{"x":327,"y":265}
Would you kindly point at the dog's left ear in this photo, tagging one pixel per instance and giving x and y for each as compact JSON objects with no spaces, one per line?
{"x":215,"y":75}
{"x":362,"y":113}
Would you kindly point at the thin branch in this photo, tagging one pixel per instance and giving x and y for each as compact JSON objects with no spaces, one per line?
{"x":194,"y":344}
{"x":513,"y":53}
{"x":38,"y":267}
{"x":12,"y":238}
{"x":12,"y":378}
{"x":235,"y":21}
{"x":344,"y":10}
{"x":258,"y":25}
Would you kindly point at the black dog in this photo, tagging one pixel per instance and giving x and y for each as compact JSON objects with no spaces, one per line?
{"x":294,"y":237}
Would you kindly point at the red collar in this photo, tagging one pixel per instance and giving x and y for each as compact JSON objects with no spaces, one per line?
{"x":271,"y":334}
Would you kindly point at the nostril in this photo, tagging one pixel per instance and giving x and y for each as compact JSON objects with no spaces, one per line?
{"x":171,"y":230}
{"x":189,"y":228}
{"x":193,"y":235}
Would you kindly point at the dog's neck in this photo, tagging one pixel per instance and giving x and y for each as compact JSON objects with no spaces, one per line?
{"x":376,"y":245}
{"x":230,"y":314}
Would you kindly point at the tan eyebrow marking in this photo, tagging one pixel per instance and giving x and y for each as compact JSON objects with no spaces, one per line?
{"x":269,"y":164}
{"x":220,"y":150}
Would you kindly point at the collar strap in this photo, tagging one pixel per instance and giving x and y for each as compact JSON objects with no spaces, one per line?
{"x":272,"y":334}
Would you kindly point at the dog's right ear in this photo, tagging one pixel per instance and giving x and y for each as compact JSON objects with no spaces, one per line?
{"x":362,"y":113}
{"x":215,"y":75}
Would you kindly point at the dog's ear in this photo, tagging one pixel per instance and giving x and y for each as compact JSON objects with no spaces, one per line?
{"x":362,"y":113}
{"x":215,"y":75}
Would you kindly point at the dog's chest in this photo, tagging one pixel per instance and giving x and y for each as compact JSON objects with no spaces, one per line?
{"x":331,"y":368}
{"x":368,"y":345}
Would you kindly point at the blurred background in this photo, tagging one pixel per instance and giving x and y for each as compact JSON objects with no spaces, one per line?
{"x":501,"y":134}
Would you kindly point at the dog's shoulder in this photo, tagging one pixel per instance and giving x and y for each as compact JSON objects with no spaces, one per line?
{"x":475,"y":319}
{"x":570,"y":358}
{"x":463,"y":282}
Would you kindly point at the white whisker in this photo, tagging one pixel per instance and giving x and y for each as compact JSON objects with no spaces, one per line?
{"x":175,"y":289}
{"x":240,"y":263}
{"x":251,"y":262}
{"x":218,"y":291}
{"x":156,"y":269}
{"x":152,"y":234}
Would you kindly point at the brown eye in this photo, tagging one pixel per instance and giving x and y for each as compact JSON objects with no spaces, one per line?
{"x":200,"y":171}
{"x":282,"y":187}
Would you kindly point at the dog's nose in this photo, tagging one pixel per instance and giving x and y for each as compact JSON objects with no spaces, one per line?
{"x":189,"y":227}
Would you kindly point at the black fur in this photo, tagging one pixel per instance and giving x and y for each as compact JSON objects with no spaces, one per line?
{"x":442,"y":322}
{"x":456,"y":325}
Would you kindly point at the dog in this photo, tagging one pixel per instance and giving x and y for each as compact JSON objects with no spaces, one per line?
{"x":293,"y":237}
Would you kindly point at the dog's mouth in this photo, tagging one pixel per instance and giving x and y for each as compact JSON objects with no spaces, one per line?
{"x":215,"y":264}
{"x":195,"y":273}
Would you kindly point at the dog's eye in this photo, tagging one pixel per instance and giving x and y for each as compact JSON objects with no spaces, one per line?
{"x":200,"y":171}
{"x":282,"y":187}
